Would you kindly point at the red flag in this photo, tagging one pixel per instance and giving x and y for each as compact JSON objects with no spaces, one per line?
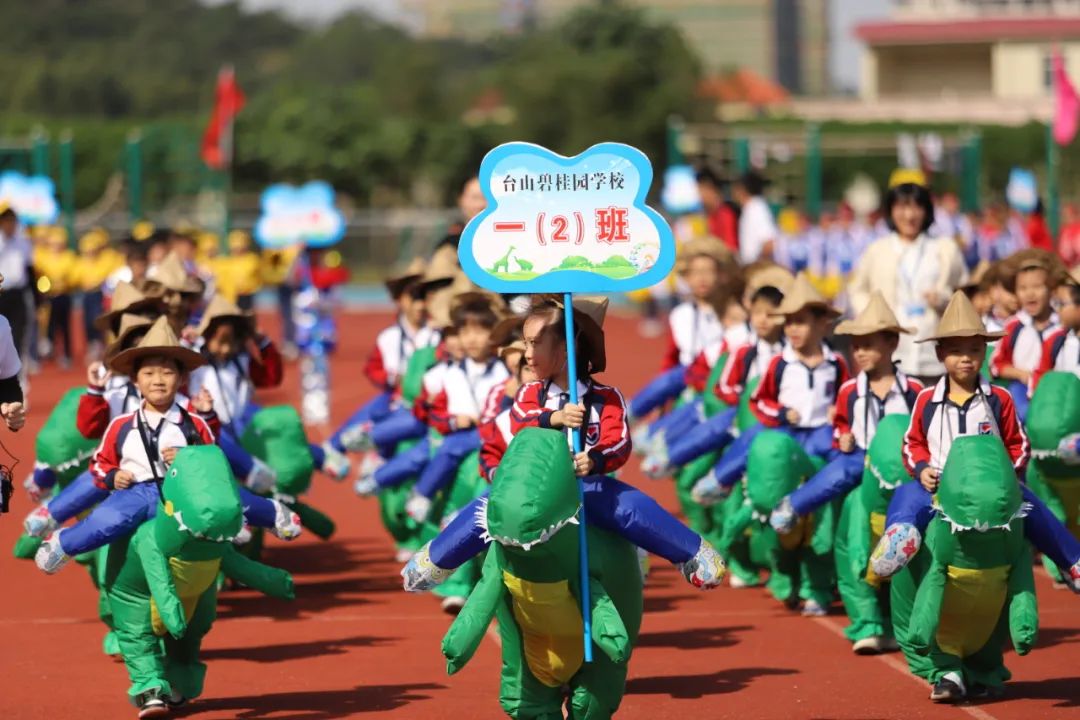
{"x":1066,"y":104}
{"x":217,"y":140}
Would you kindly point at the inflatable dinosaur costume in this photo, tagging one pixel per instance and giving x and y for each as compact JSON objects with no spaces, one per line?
{"x":862,"y":521}
{"x":162,"y":581}
{"x":1054,"y":471}
{"x":971,"y":584}
{"x":799,"y":562}
{"x":530,"y":583}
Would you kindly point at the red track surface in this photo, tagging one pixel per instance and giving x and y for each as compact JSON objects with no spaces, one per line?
{"x":354,"y":645}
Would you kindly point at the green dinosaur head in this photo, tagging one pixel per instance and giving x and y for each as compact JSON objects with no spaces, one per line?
{"x":59,"y":444}
{"x":1054,"y":413}
{"x":202,"y":510}
{"x":534,"y":494}
{"x":979,"y":490}
{"x":885,"y":469}
{"x":775,"y":466}
{"x":276,"y":436}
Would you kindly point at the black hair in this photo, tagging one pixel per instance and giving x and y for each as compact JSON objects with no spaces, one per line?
{"x":553,"y":317}
{"x":133,"y":337}
{"x":134,"y":250}
{"x":752,"y":182}
{"x":241,"y":327}
{"x":769,"y":294}
{"x":707,"y":176}
{"x":465,"y":183}
{"x":1074,"y":293}
{"x":8,"y":214}
{"x":909,"y":191}
{"x":476,"y":311}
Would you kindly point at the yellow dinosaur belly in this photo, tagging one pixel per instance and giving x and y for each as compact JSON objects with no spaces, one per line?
{"x":1069,"y":492}
{"x":970,"y":608}
{"x":191,"y":579}
{"x":551,"y":628}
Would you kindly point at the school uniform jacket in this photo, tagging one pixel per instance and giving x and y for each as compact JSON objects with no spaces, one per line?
{"x":1022,"y":345}
{"x":1060,"y":351}
{"x":495,"y":436}
{"x":697,"y":372}
{"x":605,"y":435}
{"x":691,"y":329}
{"x":859,"y":410}
{"x":122,"y":446}
{"x":466,"y":387}
{"x":99,"y":405}
{"x":936,"y":421}
{"x":789,"y":384}
{"x":747,"y":362}
{"x":232,"y":383}
{"x":393,"y":347}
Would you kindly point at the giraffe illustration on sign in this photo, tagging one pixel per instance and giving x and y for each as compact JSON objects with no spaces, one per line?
{"x":503,"y":263}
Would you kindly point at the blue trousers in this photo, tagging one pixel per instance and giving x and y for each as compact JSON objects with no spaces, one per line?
{"x":398,"y":426}
{"x":81,"y":494}
{"x":610,"y":504}
{"x":240,"y":460}
{"x":664,"y":387}
{"x":712,"y":434}
{"x":679,"y":421}
{"x":833,"y":481}
{"x":1019,"y":392}
{"x":404,"y":465}
{"x":372,"y":411}
{"x":911,"y":504}
{"x":732,"y":465}
{"x":440,"y":470}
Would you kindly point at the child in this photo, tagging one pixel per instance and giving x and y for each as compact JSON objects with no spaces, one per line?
{"x":56,"y":266}
{"x":746,"y":362}
{"x":1035,"y":278}
{"x":878,"y":390}
{"x":96,"y":262}
{"x":1003,"y":303}
{"x":1061,"y":348}
{"x":133,"y":271}
{"x":138,"y":447}
{"x":456,"y":410}
{"x":797,"y":392}
{"x":237,"y":275}
{"x":694,"y":325}
{"x":600,"y":415}
{"x":962,"y":403}
{"x":495,"y":431}
{"x":180,"y":293}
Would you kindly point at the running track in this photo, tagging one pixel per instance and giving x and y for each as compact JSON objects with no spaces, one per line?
{"x":353,"y":645}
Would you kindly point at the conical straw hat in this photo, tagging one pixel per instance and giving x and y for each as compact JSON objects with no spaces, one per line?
{"x":126,"y":298}
{"x":160,"y":341}
{"x":129,"y":324}
{"x":707,"y":246}
{"x":959,"y":320}
{"x":773,"y":275}
{"x":443,"y":267}
{"x":877,"y":316}
{"x":802,"y":294}
{"x":171,"y":274}
{"x":396,"y":283}
{"x":589,"y":314}
{"x":221,"y":308}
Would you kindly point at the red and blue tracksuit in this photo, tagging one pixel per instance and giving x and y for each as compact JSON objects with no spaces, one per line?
{"x":936,"y":422}
{"x":1022,"y":349}
{"x":858,"y":412}
{"x":609,"y":503}
{"x":789,"y":384}
{"x":1061,"y":352}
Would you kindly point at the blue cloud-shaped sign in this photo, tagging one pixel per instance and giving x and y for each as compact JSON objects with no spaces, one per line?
{"x":680,"y":193}
{"x":559,"y":224}
{"x":32,"y":198}
{"x":292,"y":215}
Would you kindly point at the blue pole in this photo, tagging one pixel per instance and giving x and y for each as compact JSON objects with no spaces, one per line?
{"x":571,"y":375}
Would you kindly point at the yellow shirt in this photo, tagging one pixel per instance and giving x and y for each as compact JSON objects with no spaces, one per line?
{"x":237,"y":275}
{"x":276,"y":264}
{"x":91,"y":272}
{"x":58,"y":268}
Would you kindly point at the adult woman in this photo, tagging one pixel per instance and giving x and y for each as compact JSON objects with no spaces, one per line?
{"x":917,"y":274}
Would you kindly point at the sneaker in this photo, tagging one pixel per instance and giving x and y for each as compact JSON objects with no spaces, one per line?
{"x":356,"y":438}
{"x":949,"y":689}
{"x":1072,"y":579}
{"x":151,"y":704}
{"x":336,"y":464}
{"x":706,"y":569}
{"x":868,"y":645}
{"x":708,"y":490}
{"x":639,"y":438}
{"x":371,"y":462}
{"x":421,"y":574}
{"x":895,"y":549}
{"x":418,"y":507}
{"x":452,"y":605}
{"x":365,"y":486}
{"x":244,"y":536}
{"x":784,"y":517}
{"x":176,"y":699}
{"x":39,"y":522}
{"x":35,"y":492}
{"x":50,"y":557}
{"x":812,"y":608}
{"x":737,"y":583}
{"x":656,"y":466}
{"x":286,"y":522}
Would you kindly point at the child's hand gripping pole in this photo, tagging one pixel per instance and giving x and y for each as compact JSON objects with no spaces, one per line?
{"x":571,"y":374}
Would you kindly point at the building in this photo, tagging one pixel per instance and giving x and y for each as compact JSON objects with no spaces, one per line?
{"x":783,"y":40}
{"x":984,"y":60}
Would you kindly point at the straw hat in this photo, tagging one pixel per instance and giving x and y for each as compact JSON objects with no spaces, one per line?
{"x":802,"y":294}
{"x":442,"y":270}
{"x":589,"y":314}
{"x":507,"y":328}
{"x":1032,"y":259}
{"x":876,"y":317}
{"x":171,"y":274}
{"x":518,"y":346}
{"x":441,"y":294}
{"x":705,"y":246}
{"x":94,"y":240}
{"x":769,"y":275}
{"x":961,"y":320}
{"x":129,"y":325}
{"x":159,"y":341}
{"x":221,"y":308}
{"x":396,"y":283}
{"x":907,"y":176}
{"x":126,"y":298}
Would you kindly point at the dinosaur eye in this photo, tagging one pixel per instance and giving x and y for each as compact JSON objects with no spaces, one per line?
{"x":173,"y":472}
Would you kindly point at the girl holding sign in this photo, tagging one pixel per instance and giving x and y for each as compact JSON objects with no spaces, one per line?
{"x":601,"y":415}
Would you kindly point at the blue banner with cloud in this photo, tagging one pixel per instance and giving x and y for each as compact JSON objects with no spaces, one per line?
{"x":33,"y":198}
{"x":294,"y":215}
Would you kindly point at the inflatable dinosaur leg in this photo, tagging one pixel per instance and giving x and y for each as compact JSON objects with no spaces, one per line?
{"x":902,"y":590}
{"x":182,"y":666}
{"x":314,"y":520}
{"x":687,"y":476}
{"x":597,"y":689}
{"x":783,"y":564}
{"x":851,"y":552}
{"x":521,"y":695}
{"x":143,"y":652}
{"x":735,"y":539}
{"x":987,"y":665}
